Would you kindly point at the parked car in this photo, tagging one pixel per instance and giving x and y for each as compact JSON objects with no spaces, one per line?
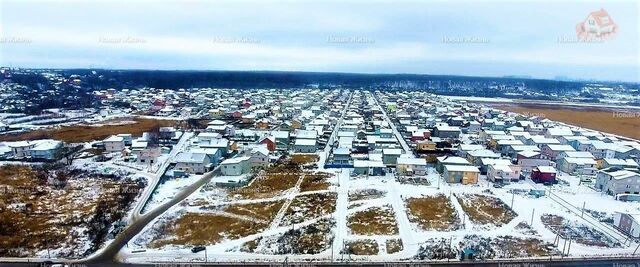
{"x":197,"y":249}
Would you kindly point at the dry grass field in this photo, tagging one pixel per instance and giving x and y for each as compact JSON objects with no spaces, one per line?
{"x":373,"y":221}
{"x":38,"y":212}
{"x":580,"y":233}
{"x":394,"y":245}
{"x":514,"y":247}
{"x":196,"y":229}
{"x":315,"y":182}
{"x":620,"y":122}
{"x":85,"y":133}
{"x":307,"y":207}
{"x":486,"y":210}
{"x":263,"y":211}
{"x":271,"y":182}
{"x":365,"y":194}
{"x":362,"y":247}
{"x":312,"y":239}
{"x":433,"y":213}
{"x":304,"y":159}
{"x":211,"y":228}
{"x":250,"y":246}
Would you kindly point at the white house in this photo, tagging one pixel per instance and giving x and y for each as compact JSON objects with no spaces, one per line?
{"x":501,"y":172}
{"x":410,"y":166}
{"x":147,"y":155}
{"x":235,"y":166}
{"x":582,"y":166}
{"x":259,"y":156}
{"x":114,"y":143}
{"x":190,"y":162}
{"x":21,"y":149}
{"x":46,"y":149}
{"x":208,"y":137}
{"x":305,"y":146}
{"x":615,"y":181}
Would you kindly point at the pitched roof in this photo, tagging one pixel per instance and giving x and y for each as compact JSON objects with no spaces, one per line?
{"x":546,"y":169}
{"x":191,"y":157}
{"x":412,"y":161}
{"x":461,"y":168}
{"x":234,"y":160}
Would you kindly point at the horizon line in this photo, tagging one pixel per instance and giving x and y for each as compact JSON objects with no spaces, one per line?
{"x":509,"y":76}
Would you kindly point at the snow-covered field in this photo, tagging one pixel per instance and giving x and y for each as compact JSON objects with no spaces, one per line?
{"x":332,"y":236}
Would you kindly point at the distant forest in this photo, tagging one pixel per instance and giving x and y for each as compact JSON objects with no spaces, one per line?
{"x":52,"y":93}
{"x":270,"y":79}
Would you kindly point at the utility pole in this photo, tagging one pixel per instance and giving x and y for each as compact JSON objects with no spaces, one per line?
{"x":450,"y":241}
{"x":48,"y":252}
{"x":532,"y":213}
{"x":583,"y":205}
{"x":331,"y":250}
{"x":512,"y":198}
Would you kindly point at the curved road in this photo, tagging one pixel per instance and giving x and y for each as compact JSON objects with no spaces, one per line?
{"x":109,"y":253}
{"x":137,"y":211}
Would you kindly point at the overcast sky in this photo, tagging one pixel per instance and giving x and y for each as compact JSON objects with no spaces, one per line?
{"x":462,"y":38}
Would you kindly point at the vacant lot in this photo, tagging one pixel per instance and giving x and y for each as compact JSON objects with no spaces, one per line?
{"x":437,"y":249}
{"x":250,"y":246}
{"x":270,"y":182}
{"x":361,"y":247}
{"x":304,"y":159}
{"x":394,"y":245}
{"x":315,"y":182}
{"x":312,"y":239}
{"x":68,"y":211}
{"x":525,"y":228}
{"x":433,"y":213}
{"x":86,"y":133}
{"x":486,"y":210}
{"x":601,"y":119}
{"x":506,"y":247}
{"x":311,"y":206}
{"x":514,"y":247}
{"x":197,"y":229}
{"x":364,"y":194}
{"x":580,"y":233}
{"x":263,"y":211}
{"x":373,"y":221}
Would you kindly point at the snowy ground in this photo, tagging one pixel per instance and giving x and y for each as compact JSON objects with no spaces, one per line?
{"x":167,"y":189}
{"x":411,"y":235}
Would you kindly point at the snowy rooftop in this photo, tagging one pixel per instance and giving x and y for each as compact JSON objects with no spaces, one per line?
{"x":461,"y":168}
{"x":305,"y":142}
{"x":190,"y":157}
{"x":234,"y":160}
{"x":547,"y":169}
{"x":412,"y":161}
{"x":114,"y":138}
{"x":452,"y":160}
